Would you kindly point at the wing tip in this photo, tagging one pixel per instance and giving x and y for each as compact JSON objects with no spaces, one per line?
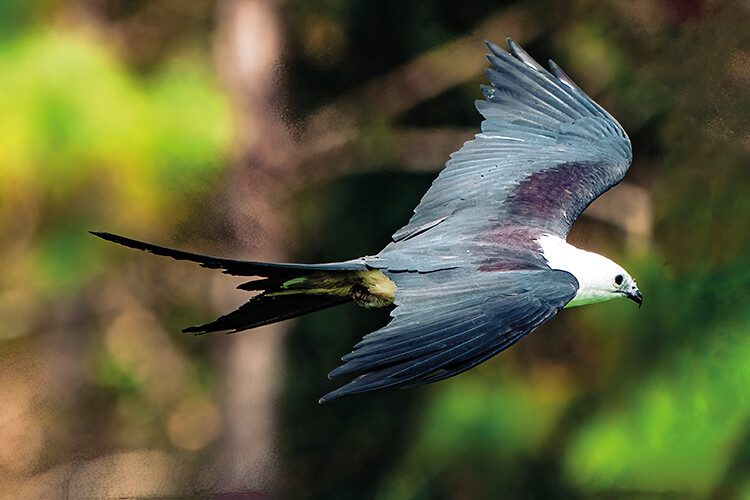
{"x":325,"y":399}
{"x":558,"y":73}
{"x":336,"y":372}
{"x":517,"y":51}
{"x":335,"y":394}
{"x":356,"y":387}
{"x":493,"y":47}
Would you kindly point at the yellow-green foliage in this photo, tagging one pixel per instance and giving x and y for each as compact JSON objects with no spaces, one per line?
{"x":85,"y":144}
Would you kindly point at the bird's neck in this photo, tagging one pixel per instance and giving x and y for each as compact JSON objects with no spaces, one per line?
{"x":593,"y":271}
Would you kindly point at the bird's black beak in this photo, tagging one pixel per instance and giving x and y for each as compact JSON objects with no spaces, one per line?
{"x":636,"y":297}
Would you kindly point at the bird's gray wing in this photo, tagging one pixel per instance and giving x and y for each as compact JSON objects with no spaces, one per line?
{"x":546,"y":151}
{"x":449,"y":321}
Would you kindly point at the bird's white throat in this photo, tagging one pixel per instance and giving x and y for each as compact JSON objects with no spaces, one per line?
{"x":594,"y":272}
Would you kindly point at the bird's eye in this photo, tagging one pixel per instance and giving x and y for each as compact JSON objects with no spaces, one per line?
{"x":618,"y":279}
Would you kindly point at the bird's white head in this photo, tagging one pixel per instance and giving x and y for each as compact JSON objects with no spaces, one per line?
{"x":599,"y":278}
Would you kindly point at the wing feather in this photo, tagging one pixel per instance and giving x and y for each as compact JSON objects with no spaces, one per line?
{"x":546,"y":151}
{"x":448,"y":321}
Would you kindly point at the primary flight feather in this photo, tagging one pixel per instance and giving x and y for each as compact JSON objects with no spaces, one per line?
{"x":483,"y":260}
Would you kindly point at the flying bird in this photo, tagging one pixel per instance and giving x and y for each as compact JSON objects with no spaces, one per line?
{"x":483,"y":261}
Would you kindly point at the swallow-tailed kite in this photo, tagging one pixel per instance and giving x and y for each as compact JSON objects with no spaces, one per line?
{"x":483,"y":260}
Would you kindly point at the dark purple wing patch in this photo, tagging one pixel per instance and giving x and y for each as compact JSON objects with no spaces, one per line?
{"x":557,"y":196}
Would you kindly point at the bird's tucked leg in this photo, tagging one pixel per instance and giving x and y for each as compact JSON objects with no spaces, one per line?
{"x":369,"y":289}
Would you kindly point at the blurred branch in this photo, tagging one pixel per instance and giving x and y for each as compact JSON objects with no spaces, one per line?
{"x":412,"y":149}
{"x":428,"y":75}
{"x":425,"y":77}
{"x":628,"y":207}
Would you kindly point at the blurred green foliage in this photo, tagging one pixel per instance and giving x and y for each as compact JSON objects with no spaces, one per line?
{"x":76,"y":125}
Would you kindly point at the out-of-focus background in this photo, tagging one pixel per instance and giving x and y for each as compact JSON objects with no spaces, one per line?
{"x":307,"y":130}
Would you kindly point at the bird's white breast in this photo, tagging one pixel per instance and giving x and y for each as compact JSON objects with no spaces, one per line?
{"x":594,"y":272}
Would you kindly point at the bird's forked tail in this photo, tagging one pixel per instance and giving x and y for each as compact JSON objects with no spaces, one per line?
{"x":286,"y":290}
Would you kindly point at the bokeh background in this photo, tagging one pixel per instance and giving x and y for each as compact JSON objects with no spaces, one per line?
{"x":307,"y":130}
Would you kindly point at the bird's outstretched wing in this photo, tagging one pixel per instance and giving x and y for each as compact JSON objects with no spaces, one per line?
{"x":546,"y":151}
{"x":449,"y":321}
